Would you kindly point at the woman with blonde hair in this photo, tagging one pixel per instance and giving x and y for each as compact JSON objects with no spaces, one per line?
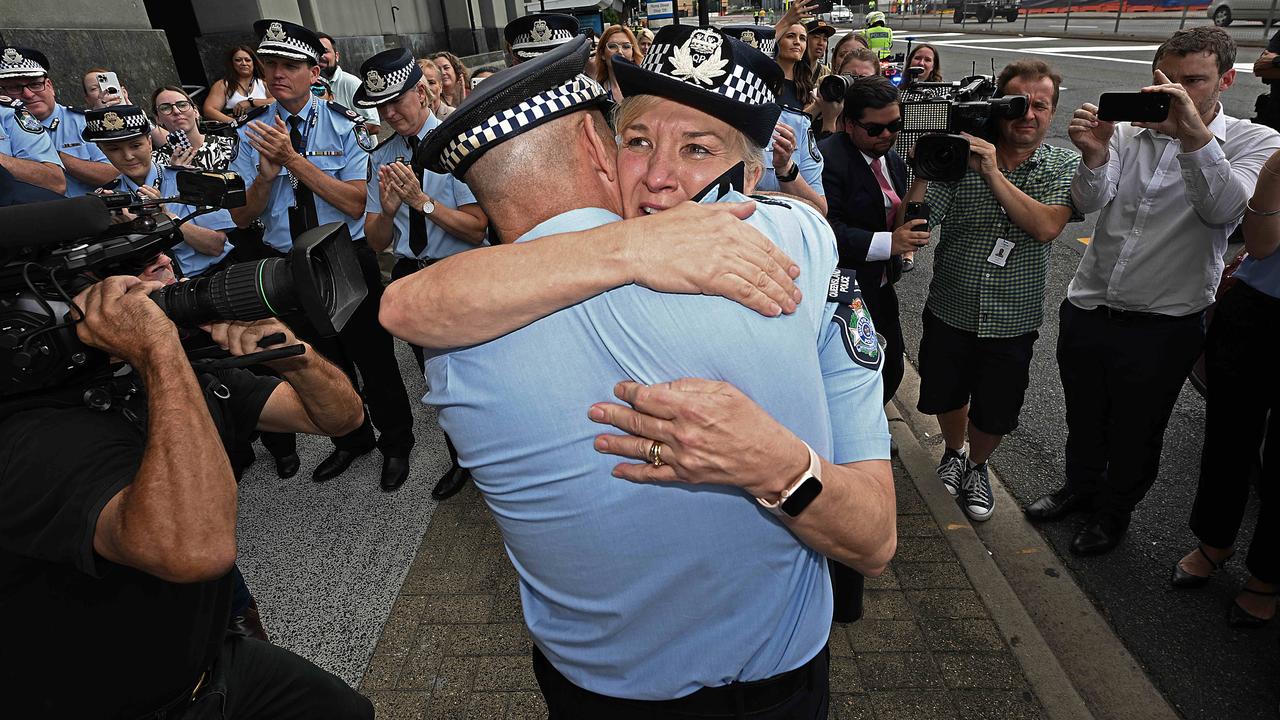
{"x":453,"y":77}
{"x":614,"y":41}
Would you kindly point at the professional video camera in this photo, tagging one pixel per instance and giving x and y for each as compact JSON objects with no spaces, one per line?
{"x":50,"y":251}
{"x":933,"y":115}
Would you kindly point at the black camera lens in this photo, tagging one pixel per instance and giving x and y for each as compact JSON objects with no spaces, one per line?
{"x":833,"y":88}
{"x":245,"y":291}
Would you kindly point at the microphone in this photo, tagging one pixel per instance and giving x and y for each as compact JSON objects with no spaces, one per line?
{"x":53,"y":221}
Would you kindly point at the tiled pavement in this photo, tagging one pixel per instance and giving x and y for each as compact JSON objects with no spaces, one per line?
{"x":455,"y":645}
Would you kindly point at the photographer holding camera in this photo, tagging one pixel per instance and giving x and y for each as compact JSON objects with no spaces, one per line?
{"x":1132,"y":326}
{"x":118,"y":517}
{"x":984,"y":305}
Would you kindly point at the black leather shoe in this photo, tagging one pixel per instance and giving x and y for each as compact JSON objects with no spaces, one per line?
{"x":1238,"y":617}
{"x":395,"y":470}
{"x":1099,"y":535}
{"x":1183,"y":579}
{"x":450,"y":483}
{"x":336,"y":464}
{"x":287,"y":465}
{"x":1057,"y":504}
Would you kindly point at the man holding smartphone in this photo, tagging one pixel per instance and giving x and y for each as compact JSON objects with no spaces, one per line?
{"x":984,"y":309}
{"x":1171,"y":193}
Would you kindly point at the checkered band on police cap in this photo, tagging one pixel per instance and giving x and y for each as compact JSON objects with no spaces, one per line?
{"x":117,"y":122}
{"x":282,"y":38}
{"x":578,"y":91}
{"x":740,"y":84}
{"x":538,"y":33}
{"x":385,"y":77}
{"x":22,"y":62}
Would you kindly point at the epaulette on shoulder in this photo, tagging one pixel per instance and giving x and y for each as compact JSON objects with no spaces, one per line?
{"x":6,"y":101}
{"x":771,"y":200}
{"x":346,"y":112}
{"x":388,"y":139}
{"x":253,"y":114}
{"x":797,"y":111}
{"x":74,"y":109}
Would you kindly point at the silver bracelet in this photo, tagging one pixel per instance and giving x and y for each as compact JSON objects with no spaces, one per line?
{"x":1248,"y":207}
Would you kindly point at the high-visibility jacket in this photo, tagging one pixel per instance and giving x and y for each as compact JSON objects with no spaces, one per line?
{"x":879,"y":39}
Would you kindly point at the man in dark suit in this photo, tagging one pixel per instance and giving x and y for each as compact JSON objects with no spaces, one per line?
{"x":865,"y":181}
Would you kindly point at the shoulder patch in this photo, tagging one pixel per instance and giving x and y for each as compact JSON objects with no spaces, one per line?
{"x":813,"y":148}
{"x":770,"y":200}
{"x":26,"y":120}
{"x":366,"y":141}
{"x":253,"y":114}
{"x":861,"y":341}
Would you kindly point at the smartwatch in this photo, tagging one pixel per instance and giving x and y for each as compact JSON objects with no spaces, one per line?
{"x":791,"y":176}
{"x":796,"y":498}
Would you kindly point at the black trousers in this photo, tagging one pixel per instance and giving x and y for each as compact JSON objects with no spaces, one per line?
{"x":365,"y":346}
{"x":803,"y":694}
{"x":402,"y":268}
{"x":882,"y":303}
{"x":1240,"y":418}
{"x":1121,"y":375}
{"x":254,"y":679}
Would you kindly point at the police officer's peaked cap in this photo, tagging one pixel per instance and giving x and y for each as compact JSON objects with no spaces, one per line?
{"x":760,"y":37}
{"x":510,"y":103}
{"x":281,"y":38}
{"x":386,"y":76}
{"x":118,"y":122}
{"x":538,"y":33}
{"x":709,"y":71}
{"x":820,"y":27}
{"x":22,"y":62}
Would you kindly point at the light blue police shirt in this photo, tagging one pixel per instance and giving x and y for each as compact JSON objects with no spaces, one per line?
{"x":65,"y":127}
{"x":23,"y":137}
{"x":443,"y":189}
{"x":654,"y":591}
{"x":1261,"y":275}
{"x":806,"y":154}
{"x":331,"y":145}
{"x":190,"y":261}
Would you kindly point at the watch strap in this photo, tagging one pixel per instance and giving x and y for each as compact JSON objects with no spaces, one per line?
{"x":790,"y":177}
{"x":813,"y":472}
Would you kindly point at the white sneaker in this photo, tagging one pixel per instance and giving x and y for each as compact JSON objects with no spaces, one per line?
{"x":951,"y":470}
{"x":975,"y":493}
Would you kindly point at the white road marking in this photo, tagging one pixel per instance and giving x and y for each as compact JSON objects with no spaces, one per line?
{"x":931,"y":35}
{"x":1097,"y":48}
{"x":1049,"y":53}
{"x":1029,"y":38}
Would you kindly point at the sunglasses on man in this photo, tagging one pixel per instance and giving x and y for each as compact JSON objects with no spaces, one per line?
{"x":875,"y":129}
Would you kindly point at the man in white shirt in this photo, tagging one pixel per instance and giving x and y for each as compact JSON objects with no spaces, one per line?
{"x":344,"y":84}
{"x":1171,"y":193}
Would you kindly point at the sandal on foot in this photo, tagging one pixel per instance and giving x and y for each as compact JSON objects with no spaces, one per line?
{"x":1183,"y":579}
{"x":1238,"y":617}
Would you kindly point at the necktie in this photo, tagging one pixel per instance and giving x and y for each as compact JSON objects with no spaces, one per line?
{"x":417,"y":221}
{"x":887,"y":189}
{"x":303,"y":216}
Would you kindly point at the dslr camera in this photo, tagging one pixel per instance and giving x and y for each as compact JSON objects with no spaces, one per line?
{"x":933,"y":115}
{"x":52,"y":250}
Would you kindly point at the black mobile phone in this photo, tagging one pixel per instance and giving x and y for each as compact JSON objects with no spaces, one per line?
{"x":917,"y":211}
{"x":1134,"y":106}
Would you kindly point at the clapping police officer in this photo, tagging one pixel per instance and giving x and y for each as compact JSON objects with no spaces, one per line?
{"x":24,"y":75}
{"x":425,"y":217}
{"x":26,"y":150}
{"x":305,"y":162}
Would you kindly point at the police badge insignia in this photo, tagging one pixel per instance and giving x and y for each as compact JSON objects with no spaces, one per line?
{"x":275,"y":32}
{"x":700,"y":60}
{"x":12,"y":56}
{"x":363,"y":138}
{"x":27,"y":121}
{"x":112,"y":121}
{"x":540,"y":31}
{"x":749,"y":38}
{"x":374,"y":81}
{"x":858,"y":332}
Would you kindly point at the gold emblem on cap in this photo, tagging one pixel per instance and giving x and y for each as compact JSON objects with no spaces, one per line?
{"x":540,"y":32}
{"x":375,"y":81}
{"x":749,"y":37}
{"x":112,"y":121}
{"x":275,"y":32}
{"x":12,"y":57}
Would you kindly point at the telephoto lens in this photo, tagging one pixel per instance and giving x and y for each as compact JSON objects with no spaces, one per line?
{"x":244,"y":291}
{"x":832,"y":88}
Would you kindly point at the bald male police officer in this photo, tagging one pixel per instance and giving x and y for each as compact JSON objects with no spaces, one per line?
{"x":305,"y":162}
{"x":24,"y":75}
{"x":423,"y":218}
{"x":532,"y":35}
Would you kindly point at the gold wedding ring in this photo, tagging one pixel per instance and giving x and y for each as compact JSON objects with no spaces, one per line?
{"x":655,"y":454}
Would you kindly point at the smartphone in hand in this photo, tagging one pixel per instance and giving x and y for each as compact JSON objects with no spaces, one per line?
{"x":1150,"y":107}
{"x":108,"y":84}
{"x":917,"y":211}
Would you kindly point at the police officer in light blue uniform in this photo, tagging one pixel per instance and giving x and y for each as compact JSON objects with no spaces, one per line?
{"x":23,"y":138}
{"x":622,"y":583}
{"x":22,"y":71}
{"x":806,"y":160}
{"x":127,"y":123}
{"x":437,"y":216}
{"x":298,"y":129}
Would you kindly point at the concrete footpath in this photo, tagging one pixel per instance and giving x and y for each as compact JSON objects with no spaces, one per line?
{"x":944,"y":633}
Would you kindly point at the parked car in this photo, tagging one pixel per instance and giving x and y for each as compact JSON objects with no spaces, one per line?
{"x":839,"y":15}
{"x":1225,"y":12}
{"x":985,"y":10}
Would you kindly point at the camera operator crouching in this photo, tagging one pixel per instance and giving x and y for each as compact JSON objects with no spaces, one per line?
{"x":984,"y":308}
{"x":118,"y":519}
